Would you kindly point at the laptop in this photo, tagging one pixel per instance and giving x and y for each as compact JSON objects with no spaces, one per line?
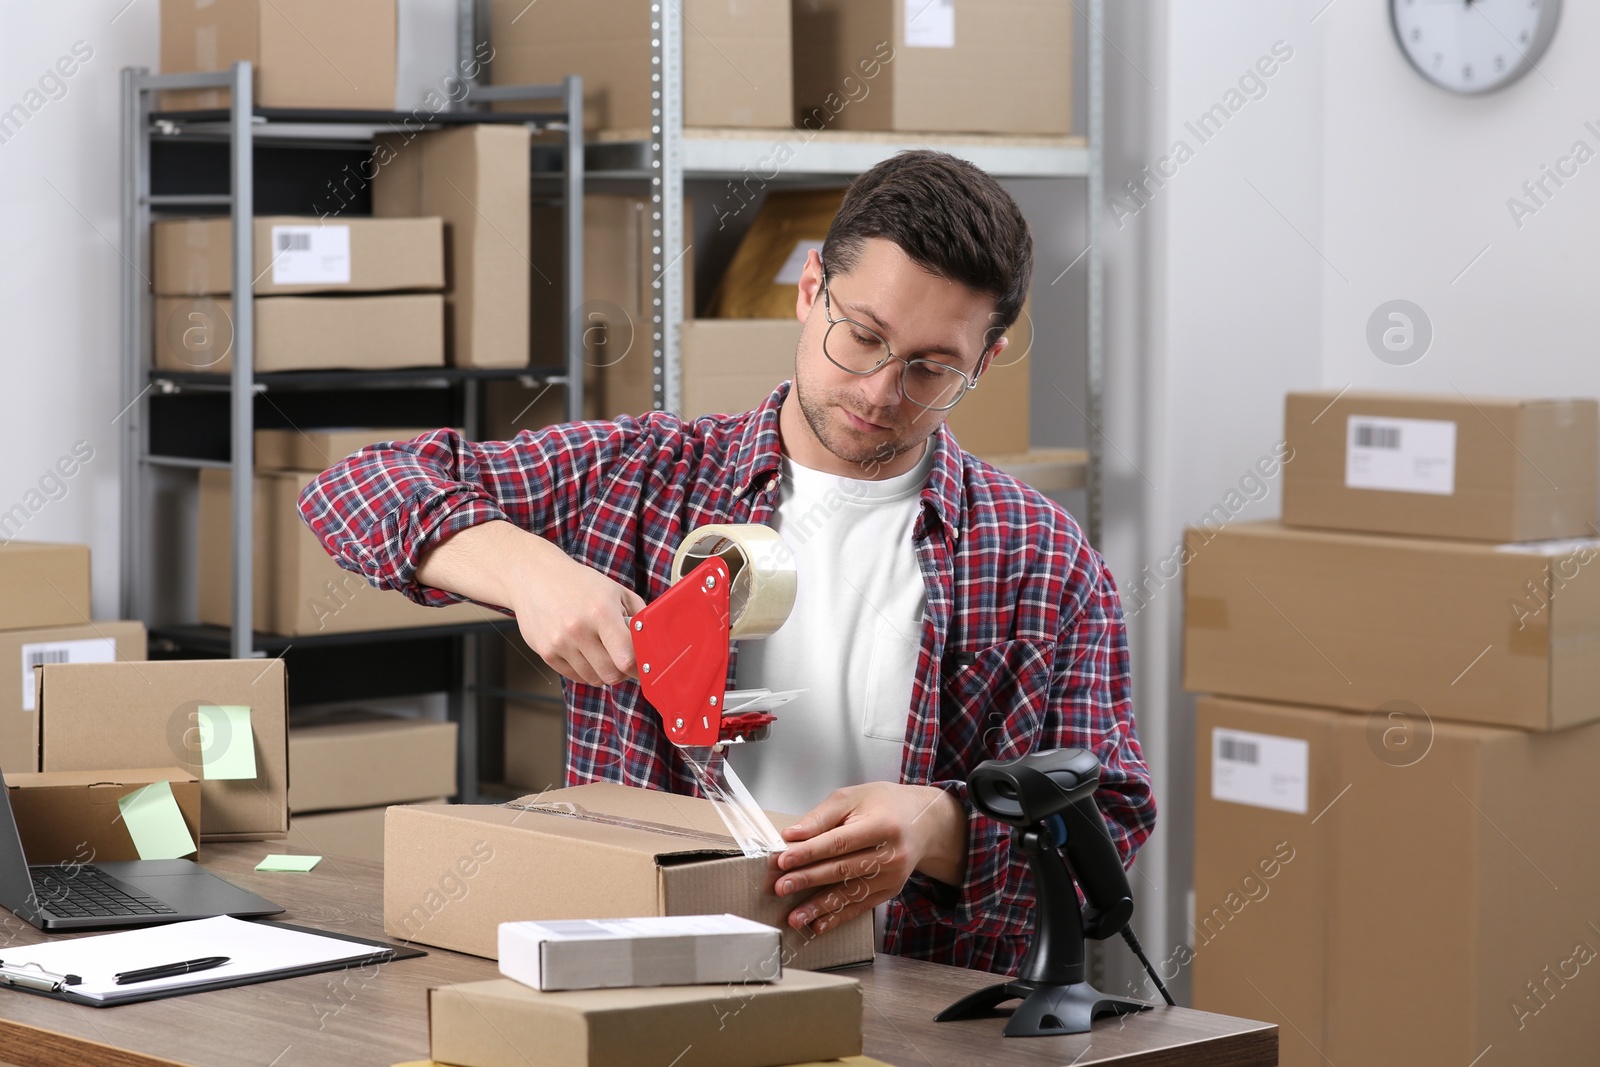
{"x":78,"y":896}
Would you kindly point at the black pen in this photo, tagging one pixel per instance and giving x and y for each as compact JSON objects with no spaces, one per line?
{"x":171,"y":970}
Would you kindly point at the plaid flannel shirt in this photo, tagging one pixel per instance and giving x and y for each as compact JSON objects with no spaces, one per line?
{"x":1023,"y":642}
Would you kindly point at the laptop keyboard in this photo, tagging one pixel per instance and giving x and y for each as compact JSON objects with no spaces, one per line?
{"x":87,"y":892}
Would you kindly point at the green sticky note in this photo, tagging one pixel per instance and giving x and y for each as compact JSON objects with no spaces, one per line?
{"x":288,"y":863}
{"x":227,"y":744}
{"x":155,"y":823}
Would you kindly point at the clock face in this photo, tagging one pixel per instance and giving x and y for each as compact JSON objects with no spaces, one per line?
{"x":1473,"y":46}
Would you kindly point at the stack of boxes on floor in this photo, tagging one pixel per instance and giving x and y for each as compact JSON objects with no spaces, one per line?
{"x":44,"y":618}
{"x":1395,"y":780}
{"x":346,"y":767}
{"x":299,"y":589}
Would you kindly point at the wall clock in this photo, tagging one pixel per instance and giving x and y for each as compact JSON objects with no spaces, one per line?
{"x":1473,"y":46}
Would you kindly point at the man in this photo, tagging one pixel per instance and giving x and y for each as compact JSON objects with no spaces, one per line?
{"x":946,"y":614}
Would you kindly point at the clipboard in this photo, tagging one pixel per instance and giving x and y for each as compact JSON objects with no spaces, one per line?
{"x":40,"y":982}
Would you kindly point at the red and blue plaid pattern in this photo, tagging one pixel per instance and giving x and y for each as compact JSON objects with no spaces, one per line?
{"x":1023,"y":642}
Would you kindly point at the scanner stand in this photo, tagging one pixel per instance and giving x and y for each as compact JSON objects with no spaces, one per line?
{"x":1055,"y":997}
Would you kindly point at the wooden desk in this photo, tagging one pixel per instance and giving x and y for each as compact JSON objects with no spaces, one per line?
{"x":378,"y":1016}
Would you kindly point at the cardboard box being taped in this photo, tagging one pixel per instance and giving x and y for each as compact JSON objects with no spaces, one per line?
{"x":1484,"y":469}
{"x":1393,"y":891}
{"x":1499,"y":634}
{"x":502,"y":1023}
{"x":100,"y":716}
{"x":74,"y":817}
{"x":454,"y":873}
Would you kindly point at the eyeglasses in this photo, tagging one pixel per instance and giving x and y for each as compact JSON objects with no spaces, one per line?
{"x":861,"y":350}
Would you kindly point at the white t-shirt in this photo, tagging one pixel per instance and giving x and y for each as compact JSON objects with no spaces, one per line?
{"x":851,"y":641}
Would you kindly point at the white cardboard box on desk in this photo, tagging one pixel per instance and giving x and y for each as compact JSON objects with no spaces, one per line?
{"x":654,"y":950}
{"x":454,"y":872}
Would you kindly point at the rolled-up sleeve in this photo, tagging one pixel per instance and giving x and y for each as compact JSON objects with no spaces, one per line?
{"x":379,"y":511}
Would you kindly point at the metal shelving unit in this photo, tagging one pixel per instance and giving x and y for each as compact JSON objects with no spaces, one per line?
{"x":242,"y":128}
{"x":668,"y":154}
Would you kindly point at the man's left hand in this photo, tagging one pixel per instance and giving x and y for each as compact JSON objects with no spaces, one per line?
{"x":860,"y":846}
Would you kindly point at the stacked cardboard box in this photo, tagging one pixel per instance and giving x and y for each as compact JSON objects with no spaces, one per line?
{"x":376,"y":55}
{"x":476,"y":178}
{"x":346,"y":768}
{"x":736,"y":59}
{"x":732,"y":360}
{"x":44,"y":618}
{"x":299,"y":589}
{"x":924,"y":66}
{"x":535,"y":736}
{"x":1390,"y":777}
{"x":376,"y":284}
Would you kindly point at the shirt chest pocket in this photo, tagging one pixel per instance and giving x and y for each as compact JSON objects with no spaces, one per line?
{"x":999,"y":692}
{"x":889,"y":679}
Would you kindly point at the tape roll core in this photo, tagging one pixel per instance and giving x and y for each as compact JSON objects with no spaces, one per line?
{"x":760,"y":566}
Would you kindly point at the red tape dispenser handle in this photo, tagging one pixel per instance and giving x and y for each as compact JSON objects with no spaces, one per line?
{"x":680,"y":641}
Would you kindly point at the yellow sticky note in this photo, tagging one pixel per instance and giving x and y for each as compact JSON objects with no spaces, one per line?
{"x":227,"y":744}
{"x":155,"y":823}
{"x":277,"y":862}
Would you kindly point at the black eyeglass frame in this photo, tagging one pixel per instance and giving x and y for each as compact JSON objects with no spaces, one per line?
{"x":969,"y":382}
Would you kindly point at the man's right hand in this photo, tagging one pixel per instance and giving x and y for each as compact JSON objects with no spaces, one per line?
{"x":573,"y":616}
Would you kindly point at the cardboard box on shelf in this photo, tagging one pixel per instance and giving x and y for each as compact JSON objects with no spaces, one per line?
{"x":731,"y":365}
{"x":736,"y":59}
{"x":502,"y":1023}
{"x":363,"y":54}
{"x":656,"y":950}
{"x":1346,"y":864}
{"x":761,"y":278}
{"x":23,"y":650}
{"x":299,"y":589}
{"x":195,"y":333}
{"x":535,"y":748}
{"x":477,"y":179}
{"x":299,"y":254}
{"x":629,"y":870}
{"x":528,"y":675}
{"x":617,"y":276}
{"x":729,"y":368}
{"x":357,"y":834}
{"x":222,"y":720}
{"x":1487,"y":469}
{"x":73,"y":816}
{"x":42,"y":584}
{"x":1503,"y":635}
{"x":905,"y":65}
{"x":317,"y":450}
{"x":361,"y":759}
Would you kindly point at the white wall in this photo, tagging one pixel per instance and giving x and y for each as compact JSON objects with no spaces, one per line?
{"x":59,"y":213}
{"x":1255,"y":269}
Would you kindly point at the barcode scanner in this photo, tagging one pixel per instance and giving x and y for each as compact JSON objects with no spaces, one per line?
{"x":1047,"y":798}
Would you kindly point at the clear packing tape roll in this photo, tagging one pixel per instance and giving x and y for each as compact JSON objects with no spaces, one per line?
{"x":760,"y":566}
{"x":761,"y":570}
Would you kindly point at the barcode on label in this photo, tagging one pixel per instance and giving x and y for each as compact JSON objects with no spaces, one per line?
{"x":1378,"y":437}
{"x":294,"y":242}
{"x":1237,"y":751}
{"x":47,"y":655}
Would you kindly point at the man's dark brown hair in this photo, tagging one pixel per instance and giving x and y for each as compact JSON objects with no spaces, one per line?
{"x":952,"y":218}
